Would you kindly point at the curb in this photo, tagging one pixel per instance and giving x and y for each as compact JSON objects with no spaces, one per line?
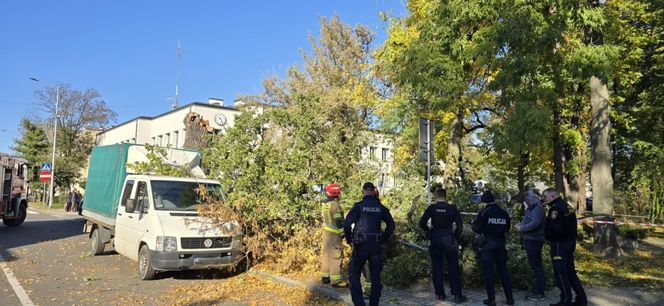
{"x":328,"y":292}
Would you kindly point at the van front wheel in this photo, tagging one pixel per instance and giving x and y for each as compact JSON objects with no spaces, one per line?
{"x":145,"y":270}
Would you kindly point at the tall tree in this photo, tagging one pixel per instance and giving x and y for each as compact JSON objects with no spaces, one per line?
{"x":440,"y":61}
{"x":80,"y":113}
{"x":302,"y":130}
{"x":32,"y":145}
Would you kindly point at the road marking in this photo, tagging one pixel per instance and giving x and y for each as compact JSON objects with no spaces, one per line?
{"x":22,"y":296}
{"x":32,"y":212}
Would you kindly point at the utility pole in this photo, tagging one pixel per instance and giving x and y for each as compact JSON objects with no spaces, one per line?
{"x":176,"y":100}
{"x":55,"y":140}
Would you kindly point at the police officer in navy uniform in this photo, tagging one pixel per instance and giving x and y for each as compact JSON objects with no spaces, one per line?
{"x":444,"y":243}
{"x":366,"y":239}
{"x":560,"y":230}
{"x":493,"y":223}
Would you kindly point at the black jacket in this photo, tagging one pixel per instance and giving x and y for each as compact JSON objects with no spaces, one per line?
{"x":492,"y":221}
{"x":560,"y":222}
{"x":442,"y":215}
{"x":367,"y":216}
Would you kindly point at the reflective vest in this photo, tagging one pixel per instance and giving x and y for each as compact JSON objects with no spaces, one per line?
{"x":333,"y":219}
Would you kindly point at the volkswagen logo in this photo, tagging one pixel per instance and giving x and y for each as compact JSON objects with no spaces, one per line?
{"x":207,"y":243}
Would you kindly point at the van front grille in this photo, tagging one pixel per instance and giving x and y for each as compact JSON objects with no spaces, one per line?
{"x":199,"y":243}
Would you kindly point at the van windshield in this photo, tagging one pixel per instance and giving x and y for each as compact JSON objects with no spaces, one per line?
{"x":184,"y":196}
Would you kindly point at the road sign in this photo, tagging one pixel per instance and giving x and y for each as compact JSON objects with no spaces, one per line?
{"x":45,"y":176}
{"x":426,"y":132}
{"x":46,"y":167}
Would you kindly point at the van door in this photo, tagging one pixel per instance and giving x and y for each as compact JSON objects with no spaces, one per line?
{"x":121,"y":221}
{"x":135,"y":226}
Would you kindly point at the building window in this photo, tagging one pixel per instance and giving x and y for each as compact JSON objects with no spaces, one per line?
{"x":168,"y":139}
{"x":133,"y":140}
{"x":176,"y":137}
{"x":372,"y":152}
{"x":161,"y":140}
{"x":384,"y":155}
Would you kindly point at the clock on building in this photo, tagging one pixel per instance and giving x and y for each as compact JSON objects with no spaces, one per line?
{"x":220,"y":119}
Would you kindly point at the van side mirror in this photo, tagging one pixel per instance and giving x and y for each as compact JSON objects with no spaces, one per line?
{"x":130,"y":206}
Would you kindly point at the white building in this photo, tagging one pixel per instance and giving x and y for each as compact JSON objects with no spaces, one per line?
{"x":381,"y":153}
{"x":168,"y":128}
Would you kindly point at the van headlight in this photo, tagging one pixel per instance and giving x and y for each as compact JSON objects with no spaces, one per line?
{"x":167,"y":244}
{"x":231,"y":227}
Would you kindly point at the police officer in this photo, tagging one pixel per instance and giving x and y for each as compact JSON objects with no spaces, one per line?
{"x":444,"y":243}
{"x":332,"y":231}
{"x":493,"y":223}
{"x":560,"y":230}
{"x":366,"y":239}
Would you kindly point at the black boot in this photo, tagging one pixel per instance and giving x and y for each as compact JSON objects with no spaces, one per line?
{"x":489,"y":302}
{"x":325,"y":279}
{"x":458,"y":299}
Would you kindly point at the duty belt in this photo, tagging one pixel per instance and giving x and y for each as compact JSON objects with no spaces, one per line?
{"x":363,"y":237}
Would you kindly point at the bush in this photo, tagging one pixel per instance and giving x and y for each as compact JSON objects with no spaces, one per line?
{"x":405,"y":268}
{"x":635,"y":233}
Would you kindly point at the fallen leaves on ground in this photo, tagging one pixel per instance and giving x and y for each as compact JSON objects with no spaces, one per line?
{"x":247,"y":289}
{"x":636,"y":269}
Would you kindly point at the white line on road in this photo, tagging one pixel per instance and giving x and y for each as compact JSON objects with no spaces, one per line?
{"x":22,"y":296}
{"x":32,"y":212}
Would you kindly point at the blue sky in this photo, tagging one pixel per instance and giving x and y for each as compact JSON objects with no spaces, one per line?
{"x":126,"y":49}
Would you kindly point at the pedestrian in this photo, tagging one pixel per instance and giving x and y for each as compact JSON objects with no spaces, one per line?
{"x":366,"y":238}
{"x":493,"y":222}
{"x":560,"y":231}
{"x":444,"y":244}
{"x":79,"y":202}
{"x":70,"y":198}
{"x":333,"y":222}
{"x":532,"y":228}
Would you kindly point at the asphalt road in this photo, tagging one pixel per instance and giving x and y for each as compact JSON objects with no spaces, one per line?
{"x":48,"y":255}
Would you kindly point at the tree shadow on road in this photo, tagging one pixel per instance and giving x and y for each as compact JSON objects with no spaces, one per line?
{"x":34,"y":232}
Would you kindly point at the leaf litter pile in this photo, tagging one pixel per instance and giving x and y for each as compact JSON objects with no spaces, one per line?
{"x":247,"y":289}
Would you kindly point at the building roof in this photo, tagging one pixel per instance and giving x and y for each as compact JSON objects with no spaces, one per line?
{"x":171,"y":111}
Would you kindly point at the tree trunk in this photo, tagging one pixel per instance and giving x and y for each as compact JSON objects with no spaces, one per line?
{"x":600,"y":174}
{"x":558,"y":169}
{"x":453,"y":165}
{"x":195,"y":129}
{"x":521,"y":172}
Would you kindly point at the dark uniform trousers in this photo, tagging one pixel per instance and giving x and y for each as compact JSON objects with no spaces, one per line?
{"x":562,"y":259}
{"x":493,"y":251}
{"x":368,"y":249}
{"x":445,"y":246}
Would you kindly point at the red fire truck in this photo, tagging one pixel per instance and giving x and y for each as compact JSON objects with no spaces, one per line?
{"x":13,"y":189}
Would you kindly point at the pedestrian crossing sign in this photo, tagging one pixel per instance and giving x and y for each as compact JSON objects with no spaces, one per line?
{"x":45,"y":167}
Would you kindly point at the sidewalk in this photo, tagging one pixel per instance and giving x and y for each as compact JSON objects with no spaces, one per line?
{"x":421,"y":293}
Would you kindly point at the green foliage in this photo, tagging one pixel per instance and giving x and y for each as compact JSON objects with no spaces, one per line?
{"x":304,"y":130}
{"x":403,"y":269}
{"x":155,"y":164}
{"x":635,"y":233}
{"x":32,"y":145}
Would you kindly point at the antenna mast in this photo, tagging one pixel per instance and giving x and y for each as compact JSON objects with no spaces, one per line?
{"x":176,"y":100}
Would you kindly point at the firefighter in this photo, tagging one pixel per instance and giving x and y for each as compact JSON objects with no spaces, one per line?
{"x":332,"y":233}
{"x":560,"y":230}
{"x":493,"y":223}
{"x":444,"y":243}
{"x":366,"y":239}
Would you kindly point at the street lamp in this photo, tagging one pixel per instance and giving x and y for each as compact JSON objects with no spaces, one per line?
{"x":55,"y":139}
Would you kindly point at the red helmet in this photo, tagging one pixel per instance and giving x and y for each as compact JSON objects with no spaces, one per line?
{"x":333,"y":190}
